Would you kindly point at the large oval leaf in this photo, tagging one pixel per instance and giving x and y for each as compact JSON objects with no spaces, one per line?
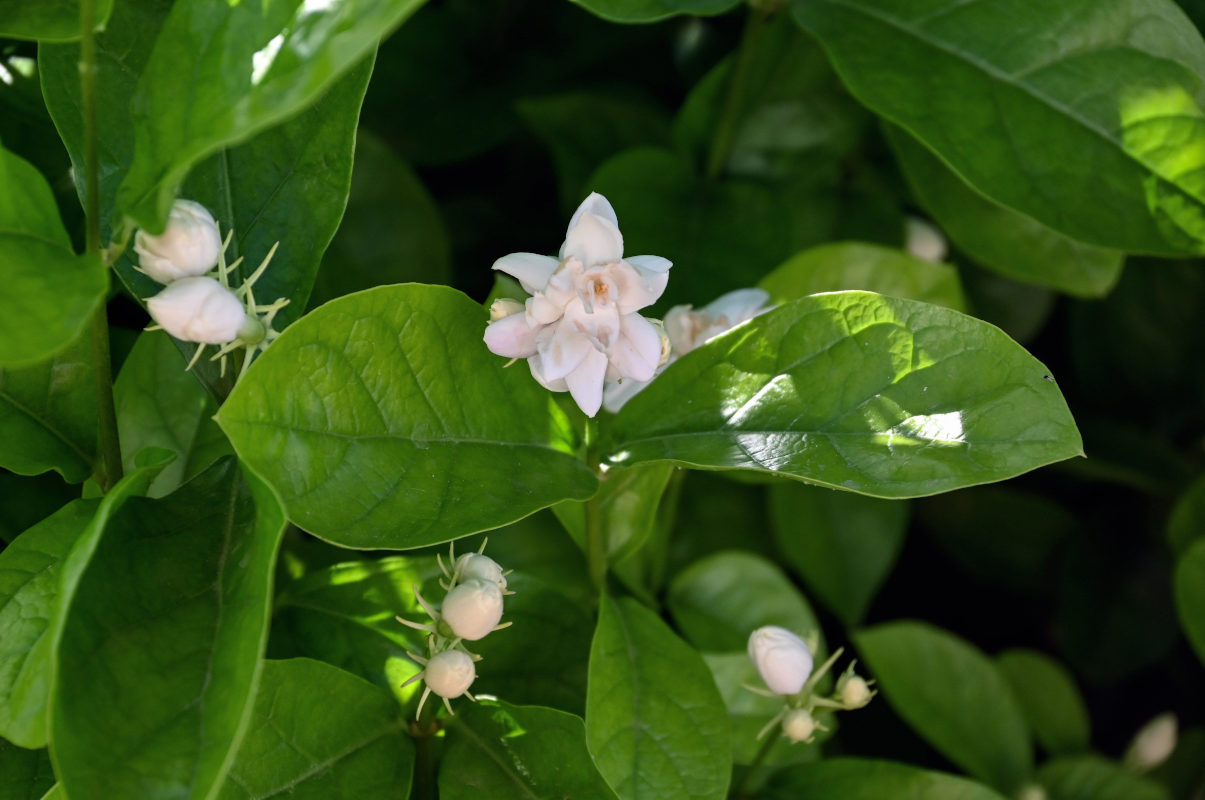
{"x":1107,"y":109}
{"x":27,"y":773}
{"x":653,"y":10}
{"x":866,"y":779}
{"x":318,"y":733}
{"x":47,"y":20}
{"x":954,"y":697}
{"x":1190,"y":595}
{"x":1093,"y":778}
{"x":1052,"y":704}
{"x":160,"y":651}
{"x":383,"y":421}
{"x":655,"y":723}
{"x":856,"y":391}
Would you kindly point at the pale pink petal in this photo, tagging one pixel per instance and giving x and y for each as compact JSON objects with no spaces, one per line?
{"x":543,"y":311}
{"x":601,"y":325}
{"x":512,"y":337}
{"x":637,"y":288}
{"x":586,"y":382}
{"x":564,"y":351}
{"x":637,"y":352}
{"x":597,"y":205}
{"x":735,"y":307}
{"x":593,"y":240}
{"x":531,"y":270}
{"x":536,"y":365}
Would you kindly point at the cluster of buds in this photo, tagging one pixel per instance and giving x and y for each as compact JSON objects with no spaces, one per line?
{"x":471,"y":609}
{"x":198,"y":305}
{"x":785,"y":663}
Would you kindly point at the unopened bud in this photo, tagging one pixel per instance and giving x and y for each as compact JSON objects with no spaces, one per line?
{"x":924,"y":240}
{"x":854,"y":691}
{"x":450,"y":673}
{"x":189,"y":245}
{"x":1153,"y":743}
{"x":798,"y":725}
{"x":476,"y":566}
{"x":473,"y":609}
{"x":198,"y":310}
{"x":782,"y":659}
{"x":504,"y":307}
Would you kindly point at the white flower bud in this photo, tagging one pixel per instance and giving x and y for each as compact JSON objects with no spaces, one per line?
{"x":1032,"y":792}
{"x":199,"y":310}
{"x":924,"y":240}
{"x":473,"y":608}
{"x":504,"y":307}
{"x":798,"y":725}
{"x":476,"y":566}
{"x":450,"y":674}
{"x":188,"y":246}
{"x":1153,"y":744}
{"x":854,"y":691}
{"x":782,"y":659}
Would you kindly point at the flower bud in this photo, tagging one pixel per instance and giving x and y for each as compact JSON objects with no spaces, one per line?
{"x":854,"y":691}
{"x":798,"y":725}
{"x":924,"y":240}
{"x":1153,"y":743}
{"x":199,"y":310}
{"x":1032,"y":792}
{"x":472,"y":566}
{"x":450,"y":674}
{"x":188,"y":246}
{"x":504,"y":307}
{"x":782,"y":659}
{"x":473,"y":608}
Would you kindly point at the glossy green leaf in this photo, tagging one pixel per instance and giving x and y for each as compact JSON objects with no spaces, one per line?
{"x":291,"y":52}
{"x":161,"y":405}
{"x":1187,"y":521}
{"x":998,"y":237}
{"x":628,"y":501}
{"x":55,"y":793}
{"x":843,"y":545}
{"x":392,"y":231}
{"x":1190,"y":595}
{"x":382,"y":420}
{"x":872,"y":268}
{"x":29,"y":587}
{"x":631,"y":11}
{"x":856,"y":391}
{"x":48,"y":416}
{"x":867,"y":779}
{"x":47,"y":20}
{"x":50,"y":293}
{"x":1053,"y":707}
{"x":318,"y":733}
{"x":718,"y":601}
{"x":27,"y":774}
{"x":953,"y":696}
{"x":655,"y":724}
{"x":1109,"y":109}
{"x":509,"y":752}
{"x":1094,"y":778}
{"x":159,"y":654}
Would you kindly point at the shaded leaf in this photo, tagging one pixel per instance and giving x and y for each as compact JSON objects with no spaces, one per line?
{"x":867,"y":779}
{"x":27,"y":773}
{"x":1094,"y":778}
{"x":1190,"y":595}
{"x":1052,"y":704}
{"x":47,"y":20}
{"x":653,"y":10}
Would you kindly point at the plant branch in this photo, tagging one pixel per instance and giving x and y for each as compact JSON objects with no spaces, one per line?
{"x":596,"y":548}
{"x":742,"y":788}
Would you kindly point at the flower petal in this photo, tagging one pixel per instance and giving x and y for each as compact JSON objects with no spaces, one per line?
{"x":737,"y":306}
{"x":617,"y":393}
{"x":597,"y":205}
{"x":531,"y":270}
{"x":637,"y":287}
{"x":650,"y":264}
{"x":536,"y":365}
{"x":593,"y":240}
{"x":586,"y":382}
{"x":512,"y":337}
{"x":562,"y":352}
{"x":543,"y":311}
{"x":637,"y":352}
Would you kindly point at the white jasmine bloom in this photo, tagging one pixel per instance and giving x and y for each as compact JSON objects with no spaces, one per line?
{"x":201,"y":310}
{"x":474,"y":566}
{"x":924,"y":241}
{"x":798,"y":725}
{"x":473,"y":608}
{"x":783,"y":660}
{"x":189,"y":245}
{"x":450,"y":674}
{"x":687,"y":329}
{"x":580,"y":327}
{"x":1153,"y":744}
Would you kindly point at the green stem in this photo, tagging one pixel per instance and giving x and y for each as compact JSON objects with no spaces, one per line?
{"x":742,"y":788}
{"x":423,"y":730}
{"x":738,"y":83}
{"x":108,"y":470}
{"x":596,"y":548}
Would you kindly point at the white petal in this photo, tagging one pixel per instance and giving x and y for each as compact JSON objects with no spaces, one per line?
{"x":738,"y":306}
{"x":593,"y":240}
{"x":564,"y":351}
{"x":597,"y":205}
{"x":512,"y":337}
{"x":586,"y":382}
{"x":536,"y":365}
{"x":637,"y":352}
{"x":616,"y":394}
{"x":652,"y":264}
{"x":636,"y":287}
{"x":198,"y":309}
{"x":544,"y":311}
{"x":531,"y":270}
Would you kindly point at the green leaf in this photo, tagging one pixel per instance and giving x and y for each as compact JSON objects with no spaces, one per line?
{"x":856,"y":391}
{"x":842,"y":544}
{"x":50,"y":293}
{"x":1108,"y":109}
{"x":1187,"y":521}
{"x":872,"y":268}
{"x":29,"y":585}
{"x":998,"y":237}
{"x":293,"y":50}
{"x":392,"y":231}
{"x":953,"y":696}
{"x":655,"y":724}
{"x":653,"y":10}
{"x":27,"y":773}
{"x":159,"y":655}
{"x":318,"y":733}
{"x":867,"y":779}
{"x":1019,"y":309}
{"x":383,"y":421}
{"x":628,"y":501}
{"x":47,"y":20}
{"x":1094,"y":778}
{"x":161,"y":405}
{"x":718,"y":601}
{"x":1190,"y":595}
{"x":503,"y":751}
{"x":48,"y":416}
{"x":1053,"y":707}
